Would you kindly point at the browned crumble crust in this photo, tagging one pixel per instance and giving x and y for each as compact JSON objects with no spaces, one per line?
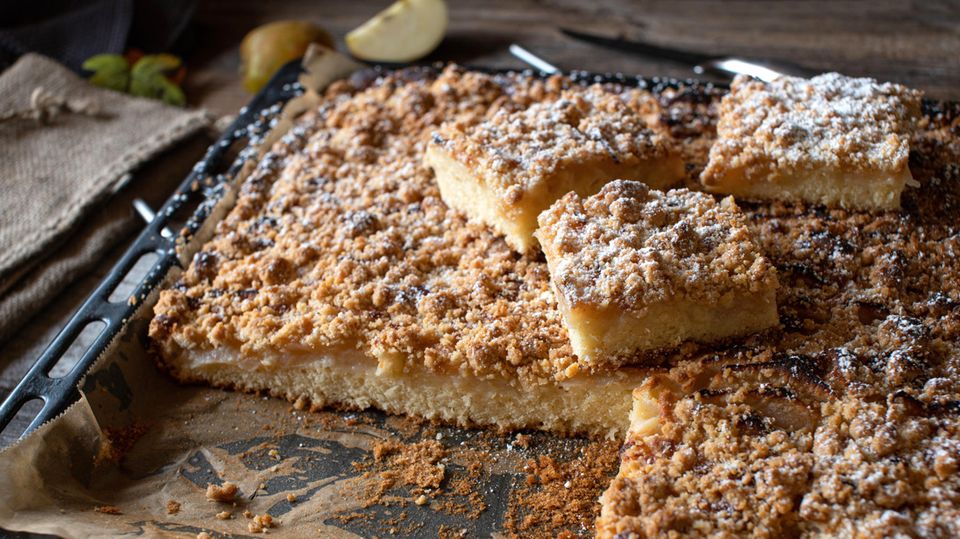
{"x":630,"y":246}
{"x":849,"y":423}
{"x":515,"y":153}
{"x":340,"y":237}
{"x":829,"y":121}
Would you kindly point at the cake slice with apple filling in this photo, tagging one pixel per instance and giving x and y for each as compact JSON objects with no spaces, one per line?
{"x":637,"y":270}
{"x":510,"y":167}
{"x":830,"y":140}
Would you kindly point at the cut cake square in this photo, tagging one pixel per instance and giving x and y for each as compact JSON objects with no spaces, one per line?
{"x":638,"y":270}
{"x":507,"y":169}
{"x":830,"y":140}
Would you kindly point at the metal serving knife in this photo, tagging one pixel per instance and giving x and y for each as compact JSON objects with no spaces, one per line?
{"x":724,"y":66}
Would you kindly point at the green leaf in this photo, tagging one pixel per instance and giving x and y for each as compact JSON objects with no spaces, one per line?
{"x":156,"y":86}
{"x":109,"y":71}
{"x":148,"y":79}
{"x":154,"y":64}
{"x":106,"y":62}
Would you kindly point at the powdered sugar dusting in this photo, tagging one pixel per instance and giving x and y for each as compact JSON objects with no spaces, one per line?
{"x":629,"y":246}
{"x":516,"y":152}
{"x":830,"y":121}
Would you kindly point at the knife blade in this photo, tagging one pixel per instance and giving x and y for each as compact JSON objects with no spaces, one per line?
{"x":726,"y":66}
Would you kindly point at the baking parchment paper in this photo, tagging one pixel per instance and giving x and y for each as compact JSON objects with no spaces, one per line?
{"x":110,"y":465}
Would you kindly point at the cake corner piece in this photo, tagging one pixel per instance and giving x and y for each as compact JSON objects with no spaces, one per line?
{"x":831,"y":140}
{"x":506,"y":169}
{"x":637,"y":270}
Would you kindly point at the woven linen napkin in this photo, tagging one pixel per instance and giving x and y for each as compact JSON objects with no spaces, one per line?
{"x":54,"y":174}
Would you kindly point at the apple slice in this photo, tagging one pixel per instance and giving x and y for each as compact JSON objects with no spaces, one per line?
{"x":405,"y":31}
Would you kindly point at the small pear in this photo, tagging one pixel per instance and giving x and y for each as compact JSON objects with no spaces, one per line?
{"x":266,"y":48}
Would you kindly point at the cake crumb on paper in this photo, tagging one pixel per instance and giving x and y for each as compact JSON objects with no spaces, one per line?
{"x":261,"y":523}
{"x":223,"y":493}
{"x":108,"y":509}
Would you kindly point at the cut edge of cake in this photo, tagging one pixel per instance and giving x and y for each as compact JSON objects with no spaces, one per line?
{"x":624,"y":285}
{"x":666,"y":326}
{"x":596,"y":405}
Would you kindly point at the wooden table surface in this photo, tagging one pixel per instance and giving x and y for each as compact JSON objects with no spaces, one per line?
{"x":915,"y":43}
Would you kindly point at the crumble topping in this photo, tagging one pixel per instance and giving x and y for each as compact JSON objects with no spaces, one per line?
{"x":340,"y":239}
{"x":516,"y":153}
{"x":726,"y":462}
{"x":629,"y":246}
{"x":795,"y":124}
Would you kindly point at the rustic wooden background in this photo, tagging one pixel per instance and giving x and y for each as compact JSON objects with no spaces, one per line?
{"x":916,"y":43}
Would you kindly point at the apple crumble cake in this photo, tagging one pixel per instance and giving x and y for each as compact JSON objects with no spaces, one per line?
{"x":638,"y":270}
{"x":340,"y":277}
{"x":831,"y":140}
{"x":508,"y":168}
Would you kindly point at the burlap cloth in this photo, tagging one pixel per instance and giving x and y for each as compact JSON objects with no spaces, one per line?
{"x":64,"y":196}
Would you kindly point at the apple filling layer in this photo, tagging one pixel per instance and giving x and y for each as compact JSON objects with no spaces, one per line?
{"x":596,"y":405}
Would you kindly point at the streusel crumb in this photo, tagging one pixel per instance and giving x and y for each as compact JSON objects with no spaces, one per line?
{"x":817,"y":139}
{"x":515,"y":153}
{"x":630,"y":246}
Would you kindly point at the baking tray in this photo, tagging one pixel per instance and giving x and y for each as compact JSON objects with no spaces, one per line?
{"x":195,"y":198}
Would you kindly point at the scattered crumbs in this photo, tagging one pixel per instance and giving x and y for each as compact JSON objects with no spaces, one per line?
{"x":108,"y":509}
{"x":522,"y":441}
{"x":560,"y":493}
{"x":247,"y":513}
{"x":224,"y":493}
{"x":446,"y":532}
{"x":424,"y":472}
{"x":224,"y":515}
{"x":416,"y":465}
{"x":302,"y":403}
{"x":261,"y":523}
{"x":291,"y":498}
{"x":117,"y":442}
{"x":274,"y":454}
{"x":173,"y":507}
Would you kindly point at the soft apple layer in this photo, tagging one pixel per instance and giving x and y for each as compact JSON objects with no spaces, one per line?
{"x":614,"y":333}
{"x":597,"y":405}
{"x":868,"y":190}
